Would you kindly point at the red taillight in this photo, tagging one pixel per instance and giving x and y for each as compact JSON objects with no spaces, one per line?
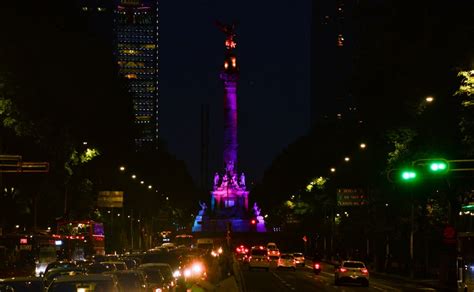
{"x":316,"y":266}
{"x":342,"y":270}
{"x":364,"y":271}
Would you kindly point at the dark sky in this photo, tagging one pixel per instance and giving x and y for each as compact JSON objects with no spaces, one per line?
{"x":273,"y":45}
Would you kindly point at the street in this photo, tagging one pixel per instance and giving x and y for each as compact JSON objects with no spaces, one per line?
{"x":303,"y":279}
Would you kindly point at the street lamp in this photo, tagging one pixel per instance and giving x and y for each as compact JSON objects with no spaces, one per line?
{"x":333,"y":169}
{"x":142,"y":182}
{"x":347,"y":159}
{"x":122,"y":168}
{"x":149,"y":187}
{"x":429,"y":99}
{"x":134,"y":176}
{"x":363,"y":145}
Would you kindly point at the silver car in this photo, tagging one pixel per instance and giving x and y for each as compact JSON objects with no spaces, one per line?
{"x":299,"y":259}
{"x":287,"y":261}
{"x":351,"y":272}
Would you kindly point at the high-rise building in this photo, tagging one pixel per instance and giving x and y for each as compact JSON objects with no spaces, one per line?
{"x":136,"y":38}
{"x":332,"y":48}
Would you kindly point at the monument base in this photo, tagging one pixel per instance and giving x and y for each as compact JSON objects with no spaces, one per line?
{"x":224,"y":224}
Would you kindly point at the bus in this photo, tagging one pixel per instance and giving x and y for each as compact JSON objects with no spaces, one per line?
{"x":80,"y":239}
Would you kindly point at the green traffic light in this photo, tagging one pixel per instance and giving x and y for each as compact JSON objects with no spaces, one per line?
{"x":438,"y":166}
{"x":408,"y":175}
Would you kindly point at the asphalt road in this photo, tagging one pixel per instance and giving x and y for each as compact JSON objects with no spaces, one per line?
{"x":303,"y":279}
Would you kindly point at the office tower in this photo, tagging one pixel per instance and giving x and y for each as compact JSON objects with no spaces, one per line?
{"x":136,"y":38}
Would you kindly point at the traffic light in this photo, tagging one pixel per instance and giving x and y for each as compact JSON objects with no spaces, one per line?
{"x":438,"y":166}
{"x":253,"y":221}
{"x":408,"y":175}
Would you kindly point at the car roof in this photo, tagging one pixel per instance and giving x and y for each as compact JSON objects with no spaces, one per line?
{"x":355,"y":262}
{"x":78,"y":278}
{"x":21,"y":279}
{"x":150,"y":265}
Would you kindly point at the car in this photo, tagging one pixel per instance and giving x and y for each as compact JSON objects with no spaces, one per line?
{"x":352,"y":271}
{"x":258,"y":258}
{"x":154,"y":278}
{"x":33,"y":284}
{"x":299,"y":259}
{"x":273,"y":251}
{"x":119,"y":266}
{"x":286,"y":261}
{"x":52,"y":274}
{"x":130,"y":280}
{"x":166,"y":272}
{"x":90,"y":283}
{"x":98,"y":268}
{"x":59,"y":264}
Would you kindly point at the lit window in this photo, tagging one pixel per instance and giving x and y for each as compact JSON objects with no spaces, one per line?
{"x":131,"y":76}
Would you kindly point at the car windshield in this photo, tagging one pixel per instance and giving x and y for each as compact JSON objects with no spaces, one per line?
{"x":287,"y":257}
{"x":353,"y":265}
{"x":166,"y":272}
{"x":297,"y":254}
{"x":153,"y":276}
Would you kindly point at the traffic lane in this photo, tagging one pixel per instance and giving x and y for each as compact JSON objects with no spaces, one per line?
{"x":377,"y":283}
{"x":304,"y":279}
{"x":260,"y":280}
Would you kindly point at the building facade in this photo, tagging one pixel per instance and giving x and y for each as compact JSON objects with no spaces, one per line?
{"x":136,"y":39}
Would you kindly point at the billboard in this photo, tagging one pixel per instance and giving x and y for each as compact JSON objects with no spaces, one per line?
{"x":351,"y":197}
{"x":110,"y":199}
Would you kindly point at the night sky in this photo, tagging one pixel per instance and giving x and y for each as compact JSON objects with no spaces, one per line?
{"x":273,"y":46}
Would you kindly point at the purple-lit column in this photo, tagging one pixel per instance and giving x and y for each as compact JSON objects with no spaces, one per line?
{"x":230,"y":122}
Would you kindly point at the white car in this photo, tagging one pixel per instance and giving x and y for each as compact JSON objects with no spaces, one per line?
{"x":352,"y":271}
{"x":273,"y":251}
{"x":258,"y":258}
{"x":299,"y":258}
{"x":287,"y":261}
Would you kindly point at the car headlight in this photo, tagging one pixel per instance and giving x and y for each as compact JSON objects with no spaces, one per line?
{"x":187,"y":273}
{"x":197,"y":268}
{"x":177,"y":274}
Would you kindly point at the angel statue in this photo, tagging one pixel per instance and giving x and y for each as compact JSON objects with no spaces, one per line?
{"x":216,"y":179}
{"x":256,"y":209}
{"x":242,"y":180}
{"x":203,"y":208}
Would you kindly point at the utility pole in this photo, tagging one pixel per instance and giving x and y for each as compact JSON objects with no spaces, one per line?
{"x":131,"y":228}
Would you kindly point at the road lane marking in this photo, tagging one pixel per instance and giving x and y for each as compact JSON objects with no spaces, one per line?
{"x":283,"y":281}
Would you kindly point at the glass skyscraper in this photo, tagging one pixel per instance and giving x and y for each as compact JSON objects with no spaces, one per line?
{"x":136,"y":32}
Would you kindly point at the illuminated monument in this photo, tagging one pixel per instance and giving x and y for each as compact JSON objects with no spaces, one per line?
{"x":229,"y":197}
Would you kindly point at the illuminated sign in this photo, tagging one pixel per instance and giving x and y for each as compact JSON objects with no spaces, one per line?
{"x":58,"y":242}
{"x":351,"y":197}
{"x":23,"y":240}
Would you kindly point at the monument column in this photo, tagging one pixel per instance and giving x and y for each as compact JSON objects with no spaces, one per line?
{"x":230,"y":122}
